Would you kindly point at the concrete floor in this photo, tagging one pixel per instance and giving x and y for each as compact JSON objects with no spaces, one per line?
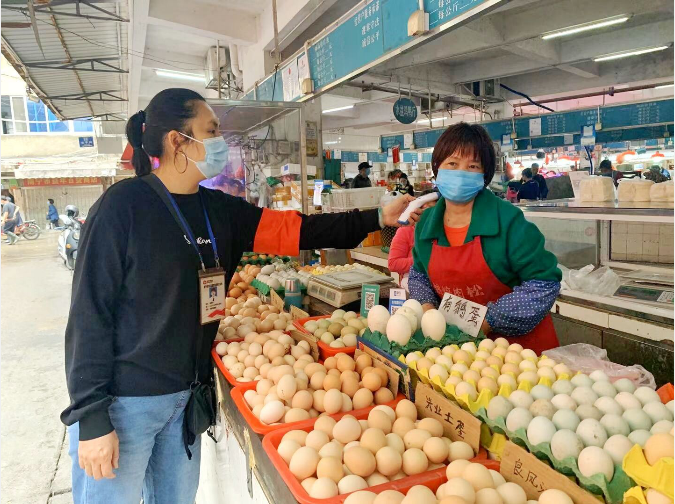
{"x":34,"y":306}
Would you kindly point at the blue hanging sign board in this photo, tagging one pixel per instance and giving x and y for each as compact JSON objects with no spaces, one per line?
{"x":405,"y":110}
{"x":86,"y":141}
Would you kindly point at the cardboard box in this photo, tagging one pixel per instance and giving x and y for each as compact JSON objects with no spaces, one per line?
{"x":535,"y":476}
{"x":458,"y":424}
{"x":391,"y":362}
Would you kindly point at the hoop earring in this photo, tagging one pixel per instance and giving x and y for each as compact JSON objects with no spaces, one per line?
{"x":186,"y":161}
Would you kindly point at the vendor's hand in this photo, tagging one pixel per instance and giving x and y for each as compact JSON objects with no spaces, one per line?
{"x":485,"y":327}
{"x":98,"y":457}
{"x":392,"y":211}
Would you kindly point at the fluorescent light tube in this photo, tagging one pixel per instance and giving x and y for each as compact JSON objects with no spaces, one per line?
{"x":585,"y":27}
{"x":637,"y":52}
{"x":331,"y":143}
{"x":180,"y":75}
{"x":328,"y":111}
{"x":426,"y":121}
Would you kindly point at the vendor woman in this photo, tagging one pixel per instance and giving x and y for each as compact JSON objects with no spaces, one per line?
{"x":139,"y":332}
{"x":479,"y":247}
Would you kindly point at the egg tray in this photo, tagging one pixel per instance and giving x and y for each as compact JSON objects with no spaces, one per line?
{"x":659,"y":476}
{"x":258,"y":427}
{"x":245,"y":260}
{"x":265,"y":289}
{"x":325,"y":351}
{"x":635,"y":496}
{"x":612,"y":491}
{"x":432,"y":479}
{"x":453,"y":335}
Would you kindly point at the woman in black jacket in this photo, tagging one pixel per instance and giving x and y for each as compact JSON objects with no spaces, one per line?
{"x":139,"y":334}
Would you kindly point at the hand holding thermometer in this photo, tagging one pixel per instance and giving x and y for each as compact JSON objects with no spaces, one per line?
{"x":404,"y":219}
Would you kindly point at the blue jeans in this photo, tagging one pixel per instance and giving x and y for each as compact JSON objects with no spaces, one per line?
{"x":152,"y":464}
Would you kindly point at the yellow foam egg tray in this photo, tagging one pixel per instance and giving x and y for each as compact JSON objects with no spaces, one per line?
{"x":659,"y":476}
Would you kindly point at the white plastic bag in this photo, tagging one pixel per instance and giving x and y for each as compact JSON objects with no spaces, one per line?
{"x":602,"y":281}
{"x":587,"y":358}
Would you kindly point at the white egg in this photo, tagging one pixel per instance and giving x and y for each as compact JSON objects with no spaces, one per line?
{"x":398,"y":329}
{"x":410,"y":315}
{"x":594,"y":460}
{"x":540,"y":430}
{"x":608,"y":405}
{"x":616,"y":447}
{"x":498,"y":407}
{"x":553,"y":496}
{"x":592,"y":433}
{"x":624,"y":385}
{"x":378,"y":316}
{"x":566,"y":419}
{"x":512,"y":493}
{"x":541,"y":392}
{"x":416,"y":308}
{"x":581,"y":380}
{"x":563,"y":401}
{"x":584,"y":395}
{"x":670,"y":405}
{"x":433,"y":325}
{"x":562,"y":387}
{"x":657,"y":412}
{"x":566,"y":443}
{"x":598,"y":375}
{"x":604,"y":388}
{"x":640,"y":437}
{"x":637,"y":419}
{"x":437,"y":370}
{"x":661,"y":426}
{"x":521,"y":399}
{"x":627,"y":401}
{"x":614,"y":425}
{"x":646,"y":395}
{"x":518,"y":418}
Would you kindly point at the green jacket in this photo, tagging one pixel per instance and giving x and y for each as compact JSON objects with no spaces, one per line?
{"x":513,"y":247}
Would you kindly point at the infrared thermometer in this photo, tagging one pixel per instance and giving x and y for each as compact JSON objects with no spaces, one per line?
{"x":404,"y":219}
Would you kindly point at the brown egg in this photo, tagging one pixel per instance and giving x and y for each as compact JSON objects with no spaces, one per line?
{"x":296,"y":415}
{"x":235,"y":293}
{"x":347,"y":429}
{"x":331,"y":382}
{"x":490,"y":372}
{"x":334,"y":372}
{"x":363,"y":361}
{"x":302,"y":399}
{"x":436,"y":450}
{"x":383,"y":376}
{"x":414,"y":461}
{"x":489,"y":384}
{"x":383,"y":396}
{"x":349,"y":374}
{"x":406,"y":408}
{"x":316,"y":439}
{"x":345,"y":362}
{"x":402,"y":426}
{"x":330,"y":467}
{"x":314,"y":367}
{"x":330,"y":363}
{"x":372,"y":381}
{"x":388,"y":460}
{"x":303,"y":462}
{"x":325,"y":424}
{"x":379,"y":420}
{"x":510,"y":368}
{"x":362,"y":398}
{"x":462,"y":356}
{"x":416,"y":438}
{"x":316,"y":380}
{"x":350,"y":386}
{"x":373,"y":439}
{"x":318,"y":397}
{"x":332,"y":401}
{"x":431,"y":425}
{"x":360,"y":461}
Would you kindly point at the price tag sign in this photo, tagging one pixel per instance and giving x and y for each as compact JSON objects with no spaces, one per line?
{"x":534,"y":476}
{"x":396,"y":299}
{"x":297,"y":313}
{"x":318,"y":187}
{"x":465,"y":314}
{"x":370,"y":296}
{"x":588,"y":135}
{"x":458,"y":425}
{"x":277,"y":302}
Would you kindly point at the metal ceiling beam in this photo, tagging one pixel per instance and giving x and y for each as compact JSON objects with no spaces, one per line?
{"x":47,"y":8}
{"x":75,"y":65}
{"x":103,"y":96}
{"x":14,"y":60}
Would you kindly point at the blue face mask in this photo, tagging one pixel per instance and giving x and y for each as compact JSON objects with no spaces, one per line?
{"x":367,"y":172}
{"x":459,"y":186}
{"x":217,"y":154}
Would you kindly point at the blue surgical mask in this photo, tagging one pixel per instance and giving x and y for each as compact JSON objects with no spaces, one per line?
{"x":367,"y":172}
{"x":217,"y":154}
{"x":459,"y":186}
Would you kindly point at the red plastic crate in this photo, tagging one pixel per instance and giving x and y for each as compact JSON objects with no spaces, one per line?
{"x":258,"y":427}
{"x":432,"y":479}
{"x":325,"y":351}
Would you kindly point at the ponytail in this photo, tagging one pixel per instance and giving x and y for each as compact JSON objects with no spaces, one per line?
{"x":169,"y":110}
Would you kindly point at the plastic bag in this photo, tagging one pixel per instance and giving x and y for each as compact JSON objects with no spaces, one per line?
{"x":602,"y":281}
{"x":587,"y":358}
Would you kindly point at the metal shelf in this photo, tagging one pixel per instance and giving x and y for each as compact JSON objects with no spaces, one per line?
{"x":652,"y":211}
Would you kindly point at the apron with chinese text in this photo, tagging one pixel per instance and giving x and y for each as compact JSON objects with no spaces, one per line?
{"x":462,"y":271}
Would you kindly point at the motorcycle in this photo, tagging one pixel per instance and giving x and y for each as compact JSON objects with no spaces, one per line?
{"x":68,"y":240}
{"x":29,"y":230}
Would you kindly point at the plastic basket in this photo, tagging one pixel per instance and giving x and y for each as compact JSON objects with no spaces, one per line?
{"x":258,"y":427}
{"x":325,"y":351}
{"x":350,"y":199}
{"x":666,"y":393}
{"x":432,"y":479}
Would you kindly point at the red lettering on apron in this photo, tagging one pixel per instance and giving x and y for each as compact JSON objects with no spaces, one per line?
{"x":462,"y":271}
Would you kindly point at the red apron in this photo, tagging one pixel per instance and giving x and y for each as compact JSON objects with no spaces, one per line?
{"x":462,"y":271}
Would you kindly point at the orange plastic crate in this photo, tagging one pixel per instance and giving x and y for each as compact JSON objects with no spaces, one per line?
{"x":325,"y":351}
{"x":432,"y":479}
{"x":666,"y":393}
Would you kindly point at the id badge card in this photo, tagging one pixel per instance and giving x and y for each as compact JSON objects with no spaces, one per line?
{"x":212,"y":293}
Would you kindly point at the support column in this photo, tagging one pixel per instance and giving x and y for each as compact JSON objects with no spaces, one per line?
{"x":312,"y":114}
{"x":258,"y":63}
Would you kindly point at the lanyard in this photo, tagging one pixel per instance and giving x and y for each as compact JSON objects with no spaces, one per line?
{"x":186,"y":227}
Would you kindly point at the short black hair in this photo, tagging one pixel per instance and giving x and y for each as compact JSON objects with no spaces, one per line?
{"x":527,"y":172}
{"x":535,"y":165}
{"x":403,"y":175}
{"x":605,"y":164}
{"x":466,"y":140}
{"x":364,"y":166}
{"x":51,"y":201}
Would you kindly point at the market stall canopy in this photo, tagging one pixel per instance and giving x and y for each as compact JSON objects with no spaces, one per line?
{"x":85,"y":168}
{"x":73,"y":55}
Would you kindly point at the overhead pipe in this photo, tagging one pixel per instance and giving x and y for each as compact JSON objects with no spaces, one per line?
{"x":384,"y":89}
{"x":234,"y":63}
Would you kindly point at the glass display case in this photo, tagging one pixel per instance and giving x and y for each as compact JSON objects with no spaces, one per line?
{"x":635,"y":240}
